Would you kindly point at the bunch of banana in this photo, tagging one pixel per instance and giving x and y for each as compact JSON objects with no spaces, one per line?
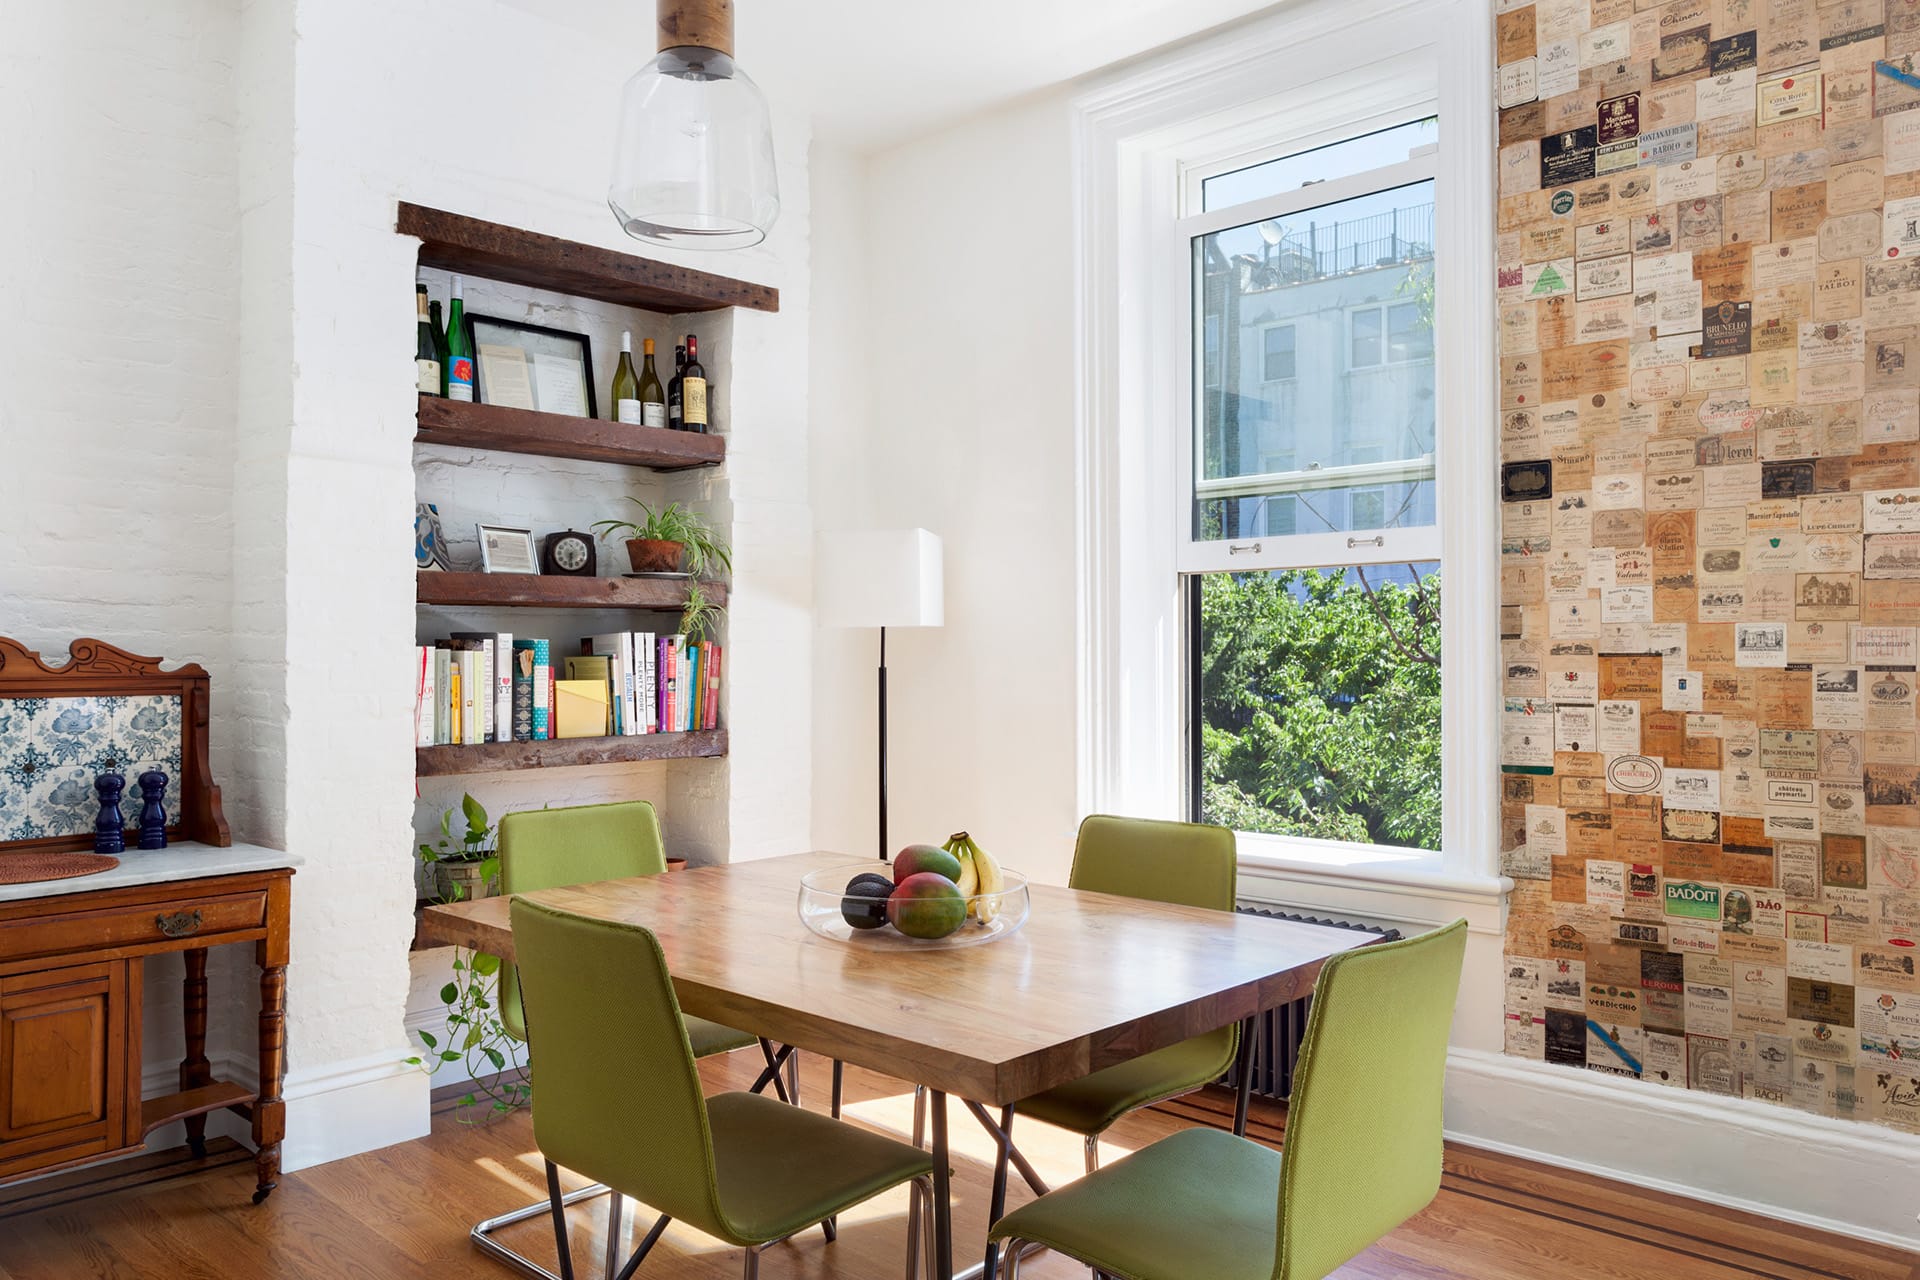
{"x":980,"y":876}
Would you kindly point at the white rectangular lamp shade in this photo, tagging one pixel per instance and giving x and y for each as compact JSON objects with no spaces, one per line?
{"x":878,"y":578}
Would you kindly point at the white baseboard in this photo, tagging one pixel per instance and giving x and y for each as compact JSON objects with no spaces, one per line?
{"x":1836,"y":1175}
{"x":343,"y":1108}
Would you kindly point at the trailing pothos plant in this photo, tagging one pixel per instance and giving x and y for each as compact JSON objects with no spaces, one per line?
{"x":475,"y":1036}
{"x":478,"y":1040}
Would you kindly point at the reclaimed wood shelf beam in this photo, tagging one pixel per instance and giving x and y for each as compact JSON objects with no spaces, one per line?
{"x":556,"y":435}
{"x":548,"y":591}
{"x":473,"y":246}
{"x":502,"y":757}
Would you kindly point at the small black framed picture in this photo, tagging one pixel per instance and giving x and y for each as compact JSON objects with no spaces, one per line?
{"x":529,"y":366}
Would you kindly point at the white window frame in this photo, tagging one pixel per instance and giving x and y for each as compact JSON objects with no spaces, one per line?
{"x":1363,"y":547}
{"x":1211,"y":107}
{"x":1272,"y":328}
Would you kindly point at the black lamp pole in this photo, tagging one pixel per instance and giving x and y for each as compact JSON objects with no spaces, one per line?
{"x":883,"y":744}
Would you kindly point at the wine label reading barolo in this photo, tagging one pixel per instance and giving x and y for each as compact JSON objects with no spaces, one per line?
{"x":629,"y":412}
{"x":427,"y":374}
{"x":653,"y":414}
{"x":693,"y":401}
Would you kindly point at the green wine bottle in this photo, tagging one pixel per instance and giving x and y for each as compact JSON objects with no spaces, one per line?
{"x":626,"y":387}
{"x":459,"y":349}
{"x":653,"y":400}
{"x":426,"y":359}
{"x":439,"y":342}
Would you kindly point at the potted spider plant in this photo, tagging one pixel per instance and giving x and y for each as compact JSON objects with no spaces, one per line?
{"x":664,"y":541}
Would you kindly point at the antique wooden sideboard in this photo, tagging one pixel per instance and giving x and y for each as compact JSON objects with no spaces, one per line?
{"x":72,"y":956}
{"x":73,"y":951}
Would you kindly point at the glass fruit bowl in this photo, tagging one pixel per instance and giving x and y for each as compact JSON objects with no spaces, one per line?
{"x":825,"y":908}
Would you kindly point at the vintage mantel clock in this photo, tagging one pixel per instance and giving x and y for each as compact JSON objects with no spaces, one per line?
{"x":569,"y":553}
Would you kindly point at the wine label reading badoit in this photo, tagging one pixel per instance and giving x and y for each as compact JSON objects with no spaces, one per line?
{"x":628,"y":411}
{"x":693,"y":401}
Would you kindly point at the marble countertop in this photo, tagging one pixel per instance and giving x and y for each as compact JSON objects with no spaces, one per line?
{"x":188,"y":861}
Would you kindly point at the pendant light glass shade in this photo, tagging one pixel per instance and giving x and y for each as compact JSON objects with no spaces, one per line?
{"x":693,"y":168}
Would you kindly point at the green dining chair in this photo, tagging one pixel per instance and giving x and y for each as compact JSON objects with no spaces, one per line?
{"x":1179,"y":862}
{"x":550,"y":849}
{"x":620,"y":1102}
{"x":1363,"y":1145}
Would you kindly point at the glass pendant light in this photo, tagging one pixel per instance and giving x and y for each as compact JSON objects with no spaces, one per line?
{"x":693,"y":168}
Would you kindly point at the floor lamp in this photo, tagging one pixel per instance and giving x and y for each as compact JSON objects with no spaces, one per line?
{"x":879,"y":578}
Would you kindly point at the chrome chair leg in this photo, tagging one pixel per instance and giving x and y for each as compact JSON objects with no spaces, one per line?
{"x":919,"y":1202}
{"x":1093,"y":1153}
{"x":793,"y":1078}
{"x":1013,"y":1248}
{"x":753,"y":1264}
{"x":616,"y":1220}
{"x":482,"y":1232}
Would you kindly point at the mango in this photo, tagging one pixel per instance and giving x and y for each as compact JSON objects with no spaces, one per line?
{"x":926,"y":905}
{"x":918,"y":858}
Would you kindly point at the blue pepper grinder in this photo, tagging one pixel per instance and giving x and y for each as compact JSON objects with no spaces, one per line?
{"x":109,"y":829}
{"x":153,"y":814}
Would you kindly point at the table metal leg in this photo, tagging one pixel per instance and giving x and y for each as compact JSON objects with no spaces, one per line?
{"x":997,"y":1203}
{"x":942,"y":1189}
{"x":1243,"y":1068}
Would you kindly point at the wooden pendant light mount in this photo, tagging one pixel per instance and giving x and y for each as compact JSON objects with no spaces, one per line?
{"x":705,"y":23}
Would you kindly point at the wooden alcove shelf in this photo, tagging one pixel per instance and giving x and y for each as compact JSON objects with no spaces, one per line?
{"x":472,"y":246}
{"x":546,"y":591}
{"x":556,"y":435}
{"x":501,"y":757}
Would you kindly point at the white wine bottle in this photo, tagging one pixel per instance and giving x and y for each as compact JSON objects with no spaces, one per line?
{"x":426,"y":352}
{"x":653,"y":400}
{"x":626,"y":387}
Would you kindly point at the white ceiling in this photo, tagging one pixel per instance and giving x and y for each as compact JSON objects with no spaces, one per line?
{"x":878,"y":71}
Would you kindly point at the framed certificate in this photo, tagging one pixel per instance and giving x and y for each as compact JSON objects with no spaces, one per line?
{"x":529,"y":366}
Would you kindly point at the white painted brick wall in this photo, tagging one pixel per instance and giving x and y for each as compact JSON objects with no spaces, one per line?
{"x":119,"y":318}
{"x":206,"y":419}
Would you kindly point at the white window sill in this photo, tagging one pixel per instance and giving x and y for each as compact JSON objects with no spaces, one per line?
{"x":1410,"y":885}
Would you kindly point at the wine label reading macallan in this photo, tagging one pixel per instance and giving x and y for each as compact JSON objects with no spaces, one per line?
{"x":693,"y":401}
{"x":628,"y":411}
{"x":460,"y":379}
{"x":427,"y":374}
{"x":652,"y":414}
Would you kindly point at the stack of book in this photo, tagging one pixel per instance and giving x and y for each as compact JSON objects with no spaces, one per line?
{"x":476,"y":687}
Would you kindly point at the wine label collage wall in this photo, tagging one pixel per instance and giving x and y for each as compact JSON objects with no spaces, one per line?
{"x":1709,"y":313}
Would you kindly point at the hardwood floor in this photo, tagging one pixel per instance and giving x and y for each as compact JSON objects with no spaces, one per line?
{"x":404,"y":1212}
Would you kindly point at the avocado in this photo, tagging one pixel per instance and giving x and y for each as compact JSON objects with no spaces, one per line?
{"x":865,"y":903}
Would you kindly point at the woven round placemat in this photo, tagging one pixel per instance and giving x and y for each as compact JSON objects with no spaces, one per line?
{"x":24,"y":868}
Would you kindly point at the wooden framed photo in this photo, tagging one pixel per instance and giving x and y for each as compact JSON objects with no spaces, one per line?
{"x":529,"y":366}
{"x":504,"y":550}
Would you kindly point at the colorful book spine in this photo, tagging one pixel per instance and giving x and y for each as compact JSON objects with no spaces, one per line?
{"x":475,"y":696}
{"x":648,"y":651}
{"x":443,"y":695}
{"x":542,"y":690}
{"x":696,"y":685}
{"x":523,"y":691}
{"x":631,"y":651}
{"x":423,"y":692}
{"x":713,"y":687}
{"x":503,"y":687}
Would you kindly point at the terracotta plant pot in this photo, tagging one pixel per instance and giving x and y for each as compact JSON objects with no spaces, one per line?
{"x":676,"y":864}
{"x":650,"y":555}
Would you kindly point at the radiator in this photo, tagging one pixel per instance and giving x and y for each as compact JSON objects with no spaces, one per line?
{"x":1277,"y":1033}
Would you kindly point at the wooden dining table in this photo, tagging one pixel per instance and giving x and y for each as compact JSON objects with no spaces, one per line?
{"x":1091,"y":980}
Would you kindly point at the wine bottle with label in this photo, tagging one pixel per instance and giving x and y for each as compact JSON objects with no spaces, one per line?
{"x":653,"y":401}
{"x":693,"y":389}
{"x":459,"y":348}
{"x":626,"y":387}
{"x":675,"y":419}
{"x":426,"y":358}
{"x":439,"y":342}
